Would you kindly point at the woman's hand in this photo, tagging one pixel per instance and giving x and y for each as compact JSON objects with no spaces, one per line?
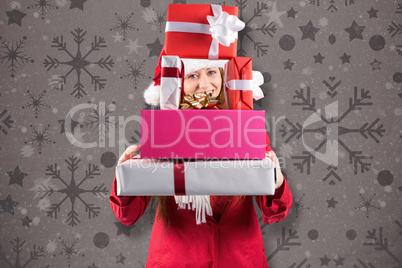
{"x":279,"y":176}
{"x":128,"y":153}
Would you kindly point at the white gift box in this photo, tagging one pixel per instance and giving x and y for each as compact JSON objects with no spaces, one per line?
{"x":171,"y":81}
{"x":148,"y":177}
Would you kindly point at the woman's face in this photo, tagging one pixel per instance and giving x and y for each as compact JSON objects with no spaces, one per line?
{"x":203,"y":80}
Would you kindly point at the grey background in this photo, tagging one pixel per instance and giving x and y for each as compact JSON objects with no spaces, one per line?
{"x":342,"y":215}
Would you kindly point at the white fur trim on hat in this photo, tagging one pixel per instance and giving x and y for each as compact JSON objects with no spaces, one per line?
{"x":152,"y":94}
{"x":192,"y":65}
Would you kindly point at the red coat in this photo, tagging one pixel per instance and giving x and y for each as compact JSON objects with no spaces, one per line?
{"x":234,"y":240}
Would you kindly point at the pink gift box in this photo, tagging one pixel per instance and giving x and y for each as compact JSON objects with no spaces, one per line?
{"x":203,"y":134}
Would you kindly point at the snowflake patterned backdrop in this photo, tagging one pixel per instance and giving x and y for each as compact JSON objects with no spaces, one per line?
{"x":333,"y":98}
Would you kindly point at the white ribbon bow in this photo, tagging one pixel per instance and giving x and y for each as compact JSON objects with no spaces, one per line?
{"x":253,"y":85}
{"x":224,"y":28}
{"x":258,"y":80}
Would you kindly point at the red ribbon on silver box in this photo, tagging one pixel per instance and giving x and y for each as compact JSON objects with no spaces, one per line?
{"x":179,"y":178}
{"x":172,"y":73}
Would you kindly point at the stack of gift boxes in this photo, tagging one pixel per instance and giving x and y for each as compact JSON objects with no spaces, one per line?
{"x":202,"y":151}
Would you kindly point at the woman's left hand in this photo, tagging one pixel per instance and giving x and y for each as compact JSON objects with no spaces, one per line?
{"x":279,"y":176}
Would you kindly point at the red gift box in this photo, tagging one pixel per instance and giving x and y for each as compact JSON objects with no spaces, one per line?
{"x":203,"y":134}
{"x":239,"y":84}
{"x":189,"y":33}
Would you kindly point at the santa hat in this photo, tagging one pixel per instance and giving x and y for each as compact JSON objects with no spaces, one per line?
{"x":152,"y":92}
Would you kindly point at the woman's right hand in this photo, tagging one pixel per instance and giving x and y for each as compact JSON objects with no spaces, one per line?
{"x":128,"y":153}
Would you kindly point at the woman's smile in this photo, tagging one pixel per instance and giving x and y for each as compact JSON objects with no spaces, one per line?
{"x":207,"y":80}
{"x":209,"y":92}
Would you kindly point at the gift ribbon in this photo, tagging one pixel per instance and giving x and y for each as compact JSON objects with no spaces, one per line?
{"x":222,"y":27}
{"x":200,"y":203}
{"x":199,"y":101}
{"x":254,"y":85}
{"x":179,"y":178}
{"x":174,"y":72}
{"x":171,"y":72}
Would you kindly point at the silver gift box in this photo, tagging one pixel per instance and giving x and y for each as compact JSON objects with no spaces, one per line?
{"x":144,"y":177}
{"x":170,"y":91}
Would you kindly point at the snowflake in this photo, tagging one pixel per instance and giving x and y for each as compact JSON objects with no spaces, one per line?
{"x":36,"y":104}
{"x":307,"y":71}
{"x":157,"y":19}
{"x":323,"y":95}
{"x":27,"y":151}
{"x":7,"y":121}
{"x":73,"y":190}
{"x":68,"y":250}
{"x":381,"y":244}
{"x":135,"y":73}
{"x":43,"y":7}
{"x":56,"y":82}
{"x":388,"y":85}
{"x":39,"y":137}
{"x":331,"y":126}
{"x":15,"y":5}
{"x":331,"y":85}
{"x":399,"y":50}
{"x":381,"y":112}
{"x":149,"y":15}
{"x":253,"y":26}
{"x":160,"y":21}
{"x":285,"y":150}
{"x":331,"y":6}
{"x":36,"y":253}
{"x":79,"y":62}
{"x":394,"y":29}
{"x":285,"y":242}
{"x":124,"y":25}
{"x":100,"y":119}
{"x":367,"y":204}
{"x":134,"y":46}
{"x":268,"y":28}
{"x":398,"y":111}
{"x":298,"y":205}
{"x":13,"y":55}
{"x":364,"y":264}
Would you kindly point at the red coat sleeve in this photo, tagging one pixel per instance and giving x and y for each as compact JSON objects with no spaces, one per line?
{"x":275,"y":208}
{"x":127,"y":209}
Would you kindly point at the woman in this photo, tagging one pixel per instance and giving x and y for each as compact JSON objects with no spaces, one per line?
{"x":231,"y":237}
{"x":207,"y":80}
